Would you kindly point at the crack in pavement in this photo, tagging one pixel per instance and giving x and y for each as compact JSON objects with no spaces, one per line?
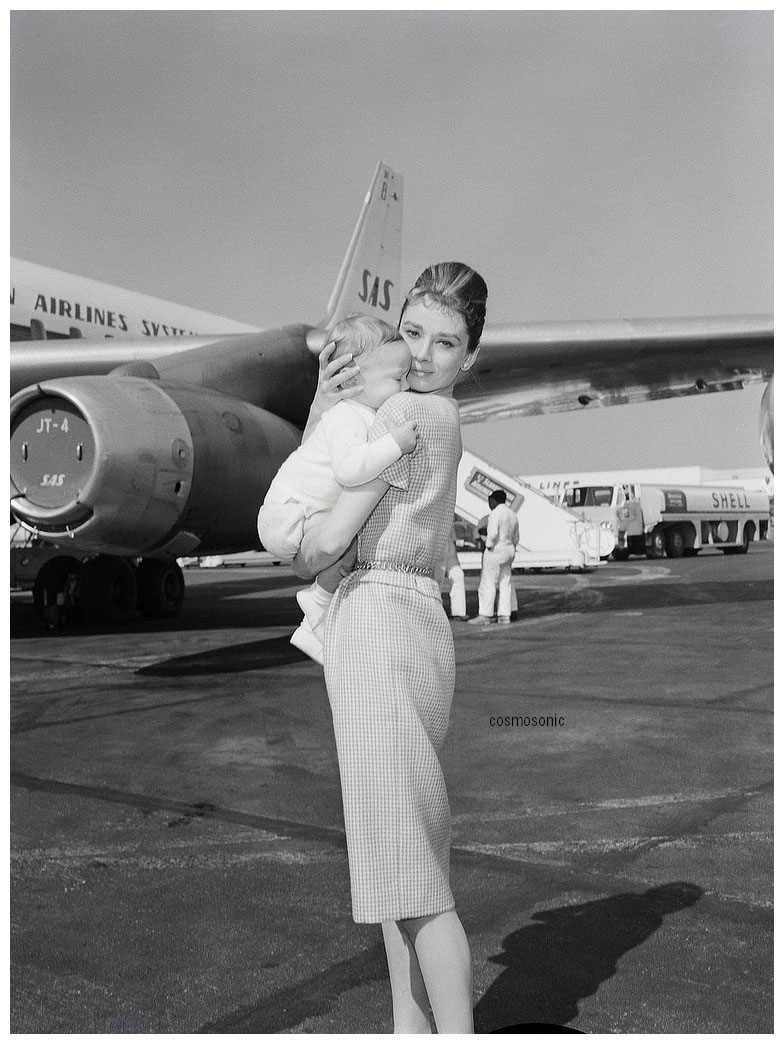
{"x":488,"y":856}
{"x":26,"y":725}
{"x":292,"y":1006}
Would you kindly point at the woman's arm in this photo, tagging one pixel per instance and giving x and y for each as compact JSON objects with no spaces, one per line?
{"x":334,"y":383}
{"x":325,"y":542}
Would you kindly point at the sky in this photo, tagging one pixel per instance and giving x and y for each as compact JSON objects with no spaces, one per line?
{"x":591,"y":165}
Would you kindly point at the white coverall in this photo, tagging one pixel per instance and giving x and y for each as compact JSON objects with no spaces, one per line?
{"x":502,"y":536}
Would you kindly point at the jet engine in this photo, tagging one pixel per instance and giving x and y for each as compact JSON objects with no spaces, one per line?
{"x":130,"y":466}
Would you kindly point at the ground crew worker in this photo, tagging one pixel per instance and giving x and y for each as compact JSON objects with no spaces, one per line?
{"x":500,"y":545}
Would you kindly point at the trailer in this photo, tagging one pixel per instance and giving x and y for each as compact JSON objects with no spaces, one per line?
{"x":659,"y":520}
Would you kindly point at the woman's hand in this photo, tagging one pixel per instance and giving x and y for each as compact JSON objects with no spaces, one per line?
{"x":337,"y":377}
{"x":337,"y":381}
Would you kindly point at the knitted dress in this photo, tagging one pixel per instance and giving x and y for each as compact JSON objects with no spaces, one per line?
{"x":390,"y":670}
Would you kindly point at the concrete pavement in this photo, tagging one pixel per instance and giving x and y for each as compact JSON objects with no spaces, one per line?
{"x":178,"y":860}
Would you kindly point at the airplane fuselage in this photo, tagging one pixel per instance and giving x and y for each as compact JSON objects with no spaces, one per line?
{"x":69,"y":305}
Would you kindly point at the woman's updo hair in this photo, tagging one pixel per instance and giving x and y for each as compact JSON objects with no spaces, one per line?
{"x":458,"y":288}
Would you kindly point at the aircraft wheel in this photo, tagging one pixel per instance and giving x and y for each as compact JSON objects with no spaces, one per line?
{"x":658,"y":543}
{"x":108,"y":590}
{"x":55,"y":589}
{"x":621,"y":554}
{"x":161,"y":587}
{"x":675,"y":542}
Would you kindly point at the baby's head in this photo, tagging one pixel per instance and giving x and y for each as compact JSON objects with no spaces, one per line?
{"x":382,"y":356}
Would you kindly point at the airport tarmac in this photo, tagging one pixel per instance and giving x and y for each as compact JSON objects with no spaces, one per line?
{"x":177,"y":852}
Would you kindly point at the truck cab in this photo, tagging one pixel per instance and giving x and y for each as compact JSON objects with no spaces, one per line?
{"x":612,"y":507}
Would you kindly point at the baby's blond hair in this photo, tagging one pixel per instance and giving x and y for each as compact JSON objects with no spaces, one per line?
{"x":361,"y":335}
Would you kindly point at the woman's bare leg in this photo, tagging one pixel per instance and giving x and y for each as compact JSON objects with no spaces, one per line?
{"x":410,"y":1005}
{"x":445,"y":962}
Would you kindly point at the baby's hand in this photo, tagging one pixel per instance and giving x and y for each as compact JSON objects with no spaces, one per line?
{"x":405,"y":435}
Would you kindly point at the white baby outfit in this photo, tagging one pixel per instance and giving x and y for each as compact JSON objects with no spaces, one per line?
{"x":336,"y":454}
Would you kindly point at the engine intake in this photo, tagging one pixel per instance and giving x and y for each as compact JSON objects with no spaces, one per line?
{"x":126,"y":465}
{"x":95,"y":453}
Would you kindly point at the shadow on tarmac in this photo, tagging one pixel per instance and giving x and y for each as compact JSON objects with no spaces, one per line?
{"x":229,"y":603}
{"x":550,"y":965}
{"x":217,"y":602}
{"x":660,"y":595}
{"x":275,"y":652}
{"x":250,"y":656}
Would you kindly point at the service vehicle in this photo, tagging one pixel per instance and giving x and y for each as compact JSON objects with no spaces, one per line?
{"x":673,"y":520}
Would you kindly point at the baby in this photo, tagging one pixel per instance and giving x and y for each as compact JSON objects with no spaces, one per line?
{"x":337,"y":454}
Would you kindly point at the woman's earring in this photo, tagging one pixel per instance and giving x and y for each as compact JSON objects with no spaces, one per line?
{"x":469,"y":362}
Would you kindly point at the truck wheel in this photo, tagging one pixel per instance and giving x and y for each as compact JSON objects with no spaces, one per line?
{"x":621,"y":554}
{"x":161,"y":587}
{"x":658,"y":544}
{"x":748,"y":536}
{"x":741,"y":549}
{"x":53,"y":589}
{"x":108,"y":590}
{"x":675,"y":542}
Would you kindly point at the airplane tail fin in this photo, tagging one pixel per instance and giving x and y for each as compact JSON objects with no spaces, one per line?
{"x":369,"y":279}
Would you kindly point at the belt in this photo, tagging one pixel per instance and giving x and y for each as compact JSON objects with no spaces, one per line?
{"x":396,"y":567}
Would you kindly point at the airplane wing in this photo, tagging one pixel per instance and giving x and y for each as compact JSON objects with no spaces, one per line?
{"x":34,"y":361}
{"x":529,"y":369}
{"x":524,"y":369}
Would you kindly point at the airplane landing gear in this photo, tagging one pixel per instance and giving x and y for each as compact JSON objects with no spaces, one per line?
{"x":106,"y":589}
{"x":56,"y":591}
{"x":161,"y":587}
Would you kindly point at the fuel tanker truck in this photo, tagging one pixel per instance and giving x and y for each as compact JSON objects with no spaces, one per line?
{"x":674,"y":521}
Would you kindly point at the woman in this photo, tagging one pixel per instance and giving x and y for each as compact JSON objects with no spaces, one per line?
{"x":389,"y":661}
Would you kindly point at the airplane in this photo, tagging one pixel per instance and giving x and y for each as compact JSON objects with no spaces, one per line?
{"x":135,"y":441}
